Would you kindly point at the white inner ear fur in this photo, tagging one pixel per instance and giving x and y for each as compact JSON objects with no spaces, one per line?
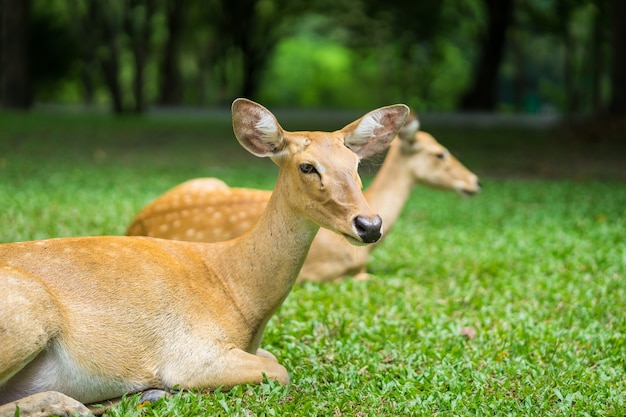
{"x":267,"y":128}
{"x":368,"y":126}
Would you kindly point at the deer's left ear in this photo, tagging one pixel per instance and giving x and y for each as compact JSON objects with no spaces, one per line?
{"x":372,"y":133}
{"x":256,"y":128}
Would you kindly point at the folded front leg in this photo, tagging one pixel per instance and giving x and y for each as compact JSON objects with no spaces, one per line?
{"x":242,"y":367}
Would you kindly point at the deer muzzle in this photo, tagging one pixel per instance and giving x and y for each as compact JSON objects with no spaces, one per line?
{"x":368,"y":229}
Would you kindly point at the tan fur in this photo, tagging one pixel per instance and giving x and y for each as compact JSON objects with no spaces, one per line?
{"x":195,"y":212}
{"x":97,"y":317}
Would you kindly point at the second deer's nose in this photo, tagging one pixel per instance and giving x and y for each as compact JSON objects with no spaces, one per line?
{"x":369,"y":230}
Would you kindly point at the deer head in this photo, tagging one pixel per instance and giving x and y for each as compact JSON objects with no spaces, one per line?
{"x":431,"y":163}
{"x":308,"y":174}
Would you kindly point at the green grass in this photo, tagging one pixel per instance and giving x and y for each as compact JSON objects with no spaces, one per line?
{"x":536,"y":265}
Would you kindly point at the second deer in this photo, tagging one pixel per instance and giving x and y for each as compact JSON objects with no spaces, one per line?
{"x":93,"y":318}
{"x":206,"y":209}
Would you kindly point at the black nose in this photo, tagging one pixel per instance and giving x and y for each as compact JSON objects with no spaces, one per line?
{"x":369,"y":230}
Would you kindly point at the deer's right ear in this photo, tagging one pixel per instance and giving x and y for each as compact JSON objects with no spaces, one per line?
{"x":256,"y":128}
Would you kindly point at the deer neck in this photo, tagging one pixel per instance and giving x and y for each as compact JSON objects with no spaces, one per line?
{"x":390,"y":188}
{"x":261,"y":267}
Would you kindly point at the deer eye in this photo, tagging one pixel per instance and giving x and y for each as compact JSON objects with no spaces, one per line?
{"x":308,"y":169}
{"x":440,"y":155}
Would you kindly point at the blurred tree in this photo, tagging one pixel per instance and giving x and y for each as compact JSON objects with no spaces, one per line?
{"x":170,"y":88}
{"x":413,"y":52}
{"x":16,"y":82}
{"x":481,"y":94}
{"x":108,"y":24}
{"x":324,"y":69}
{"x":53,"y":47}
{"x":402,"y":37}
{"x":617,"y":105}
{"x":597,"y":45}
{"x":559,"y":53}
{"x":245,"y":38}
{"x":138,"y":16}
{"x":120,"y":26}
{"x":84,"y":15}
{"x":247,"y":33}
{"x":562,"y":17}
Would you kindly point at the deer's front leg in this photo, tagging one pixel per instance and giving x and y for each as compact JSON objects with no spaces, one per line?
{"x":265,"y":354}
{"x":244,"y":368}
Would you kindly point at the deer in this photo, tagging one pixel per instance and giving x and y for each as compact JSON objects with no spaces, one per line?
{"x":189,"y":315}
{"x":207,"y":209}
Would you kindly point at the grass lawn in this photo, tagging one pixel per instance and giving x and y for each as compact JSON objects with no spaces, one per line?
{"x":535,"y":266}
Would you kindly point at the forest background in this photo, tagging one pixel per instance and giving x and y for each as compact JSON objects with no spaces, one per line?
{"x":554,"y":57}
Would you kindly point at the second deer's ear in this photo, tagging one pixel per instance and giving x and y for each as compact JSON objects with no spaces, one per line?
{"x":409,"y":128}
{"x":373,"y":133}
{"x":256,"y":128}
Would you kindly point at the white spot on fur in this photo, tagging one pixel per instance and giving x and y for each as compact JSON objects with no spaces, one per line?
{"x":205,"y":184}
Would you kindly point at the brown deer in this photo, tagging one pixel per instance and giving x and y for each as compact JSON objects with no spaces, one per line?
{"x":92,"y":318}
{"x":206,"y":209}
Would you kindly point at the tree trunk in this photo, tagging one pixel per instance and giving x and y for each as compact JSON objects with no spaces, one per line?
{"x":16,"y":83}
{"x":170,"y":90}
{"x":617,"y":105}
{"x":598,"y":60}
{"x":139,"y":31}
{"x":254,"y":61}
{"x":482,"y":93}
{"x":517,"y":41}
{"x":248,"y":37}
{"x":85,"y":28}
{"x":110,"y":69}
{"x":109,"y":61}
{"x":571,"y":96}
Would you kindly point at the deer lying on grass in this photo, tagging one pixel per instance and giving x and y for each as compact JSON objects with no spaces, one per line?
{"x":92,"y":318}
{"x":206,"y":209}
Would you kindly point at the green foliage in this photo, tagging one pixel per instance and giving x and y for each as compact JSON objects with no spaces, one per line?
{"x":346,"y":53}
{"x":318,"y":66}
{"x":313,"y":73}
{"x":535,"y":266}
